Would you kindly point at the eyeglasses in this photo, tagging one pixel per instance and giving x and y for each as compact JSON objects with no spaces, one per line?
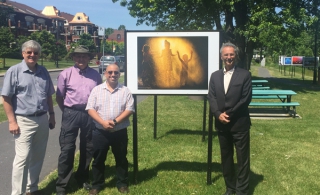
{"x":30,"y":52}
{"x":114,"y":72}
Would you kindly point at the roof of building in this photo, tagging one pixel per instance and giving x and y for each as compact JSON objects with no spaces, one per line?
{"x":21,"y":8}
{"x":80,"y":18}
{"x":52,"y":12}
{"x":67,"y":16}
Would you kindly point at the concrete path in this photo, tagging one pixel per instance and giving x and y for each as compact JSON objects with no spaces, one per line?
{"x":263,"y":72}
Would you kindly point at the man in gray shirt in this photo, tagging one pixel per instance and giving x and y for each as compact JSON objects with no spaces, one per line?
{"x":27,"y":97}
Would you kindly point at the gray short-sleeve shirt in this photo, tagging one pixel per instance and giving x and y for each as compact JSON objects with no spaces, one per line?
{"x":28,"y":91}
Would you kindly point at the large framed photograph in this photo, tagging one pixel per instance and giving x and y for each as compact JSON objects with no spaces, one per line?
{"x":171,"y":63}
{"x":310,"y":62}
{"x":297,"y":60}
{"x":287,"y":61}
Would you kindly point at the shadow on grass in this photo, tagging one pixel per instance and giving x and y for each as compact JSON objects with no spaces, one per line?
{"x":186,"y":132}
{"x":148,"y":174}
{"x":294,"y":84}
{"x":186,"y":166}
{"x":50,"y":188}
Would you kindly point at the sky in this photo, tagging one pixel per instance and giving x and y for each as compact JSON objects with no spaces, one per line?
{"x":100,"y":12}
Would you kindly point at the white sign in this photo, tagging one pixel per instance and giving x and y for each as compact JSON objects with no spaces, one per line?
{"x":101,"y":31}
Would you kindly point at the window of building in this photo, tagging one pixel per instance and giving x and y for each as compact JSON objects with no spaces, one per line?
{"x":78,"y":30}
{"x":41,"y":21}
{"x":118,"y":37}
{"x":29,"y":21}
{"x":13,"y":22}
{"x":90,"y":29}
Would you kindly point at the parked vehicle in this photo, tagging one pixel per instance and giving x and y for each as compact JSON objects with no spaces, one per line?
{"x":106,"y":60}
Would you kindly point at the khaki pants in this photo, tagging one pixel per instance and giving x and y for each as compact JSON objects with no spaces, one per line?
{"x":30,"y":148}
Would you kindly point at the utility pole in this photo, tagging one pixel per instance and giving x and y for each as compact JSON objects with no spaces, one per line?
{"x":57,"y":44}
{"x":316,"y":25}
{"x":315,"y":68}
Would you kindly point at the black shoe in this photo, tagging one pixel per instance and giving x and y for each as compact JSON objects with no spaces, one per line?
{"x":229,"y":193}
{"x":86,"y":186}
{"x":38,"y":192}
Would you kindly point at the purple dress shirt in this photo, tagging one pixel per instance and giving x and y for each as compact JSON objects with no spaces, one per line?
{"x":75,"y":85}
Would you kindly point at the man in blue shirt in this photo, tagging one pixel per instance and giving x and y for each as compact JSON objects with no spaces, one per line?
{"x":27,"y":97}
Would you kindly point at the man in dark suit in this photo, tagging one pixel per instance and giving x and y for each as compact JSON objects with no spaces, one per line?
{"x":229,"y":96}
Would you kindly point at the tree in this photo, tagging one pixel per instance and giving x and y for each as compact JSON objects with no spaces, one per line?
{"x":108,"y":32}
{"x":122,"y":27}
{"x":119,"y":48}
{"x":7,"y":44}
{"x":47,"y":42}
{"x":86,"y":40}
{"x":242,"y":22}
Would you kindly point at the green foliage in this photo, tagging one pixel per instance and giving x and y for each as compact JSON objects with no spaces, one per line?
{"x":109,"y":44}
{"x":73,"y":45}
{"x":271,"y":24}
{"x":60,"y":49}
{"x":47,"y":42}
{"x":8,"y":44}
{"x":119,"y":49}
{"x":86,"y":40}
{"x":122,"y":27}
{"x":108,"y":31}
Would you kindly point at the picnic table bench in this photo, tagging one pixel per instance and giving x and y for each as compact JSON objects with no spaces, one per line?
{"x":258,"y":82}
{"x":259,"y":87}
{"x":283,"y":95}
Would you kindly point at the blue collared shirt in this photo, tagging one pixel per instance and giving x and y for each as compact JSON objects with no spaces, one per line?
{"x":28,"y":90}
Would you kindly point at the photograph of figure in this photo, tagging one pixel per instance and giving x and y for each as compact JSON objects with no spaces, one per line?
{"x":147,"y":69}
{"x":160,"y":65}
{"x":184,"y":68}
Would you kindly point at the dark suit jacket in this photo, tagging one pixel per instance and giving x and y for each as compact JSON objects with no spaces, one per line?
{"x":235,"y":102}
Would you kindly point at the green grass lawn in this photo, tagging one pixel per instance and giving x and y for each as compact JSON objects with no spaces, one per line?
{"x":47,"y":64}
{"x":284,"y":153}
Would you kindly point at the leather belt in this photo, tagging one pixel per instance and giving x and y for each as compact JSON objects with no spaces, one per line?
{"x":34,"y":114}
{"x":75,"y":108}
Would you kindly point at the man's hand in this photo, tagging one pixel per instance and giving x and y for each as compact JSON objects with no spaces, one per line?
{"x":52,"y":122}
{"x":108,"y":125}
{"x":14,"y":128}
{"x":224,"y":118}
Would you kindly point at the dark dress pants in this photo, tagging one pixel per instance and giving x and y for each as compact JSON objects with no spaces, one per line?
{"x":72,"y":121}
{"x":238,"y":183}
{"x":102,"y":141}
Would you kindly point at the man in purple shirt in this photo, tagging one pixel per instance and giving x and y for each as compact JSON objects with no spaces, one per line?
{"x":73,"y":89}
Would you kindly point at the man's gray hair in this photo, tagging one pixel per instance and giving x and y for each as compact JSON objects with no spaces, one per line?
{"x":236,"y":49}
{"x":31,"y":44}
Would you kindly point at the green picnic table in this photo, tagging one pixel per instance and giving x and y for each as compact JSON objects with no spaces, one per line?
{"x":282,"y":95}
{"x":274,"y":92}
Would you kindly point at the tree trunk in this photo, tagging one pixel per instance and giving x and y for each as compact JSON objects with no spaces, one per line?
{"x":3,"y":63}
{"x":249,"y":52}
